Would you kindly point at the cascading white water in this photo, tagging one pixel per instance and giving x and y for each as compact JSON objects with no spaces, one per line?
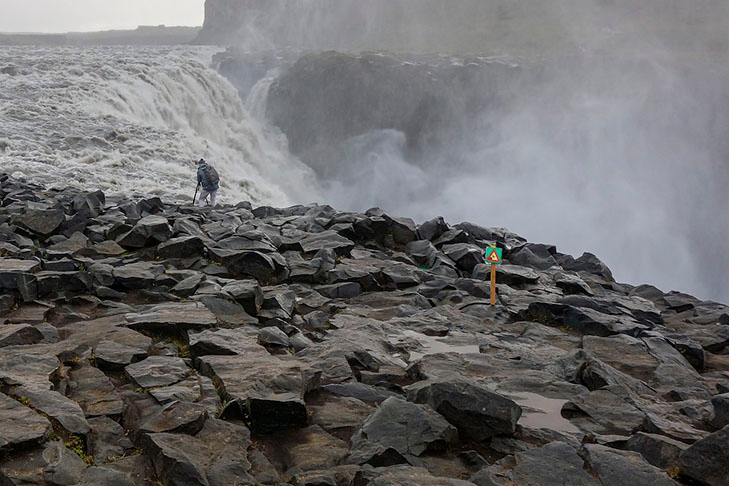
{"x":129,"y":119}
{"x":258,"y":96}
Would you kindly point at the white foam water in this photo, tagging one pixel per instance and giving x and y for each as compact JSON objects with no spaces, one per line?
{"x":132,"y":120}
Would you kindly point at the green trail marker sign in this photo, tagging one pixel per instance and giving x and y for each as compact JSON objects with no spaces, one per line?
{"x":493,"y":255}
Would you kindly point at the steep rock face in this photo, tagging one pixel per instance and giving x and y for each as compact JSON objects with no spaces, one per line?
{"x":494,"y":26}
{"x":429,"y":100}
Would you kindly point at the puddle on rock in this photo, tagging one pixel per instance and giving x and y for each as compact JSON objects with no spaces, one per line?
{"x":540,"y":412}
{"x":419,"y":345}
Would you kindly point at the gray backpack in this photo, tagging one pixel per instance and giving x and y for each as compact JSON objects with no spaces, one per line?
{"x":210,"y":175}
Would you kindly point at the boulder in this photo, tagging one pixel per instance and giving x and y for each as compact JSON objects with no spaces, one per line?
{"x":268,"y":390}
{"x":554,"y":463}
{"x":476,"y":412}
{"x":614,"y":466}
{"x":42,"y":222}
{"x":22,"y":426}
{"x":661,"y":451}
{"x":397,"y":431}
{"x":721,"y":411}
{"x":157,"y":371}
{"x":181,"y":247}
{"x":706,"y":460}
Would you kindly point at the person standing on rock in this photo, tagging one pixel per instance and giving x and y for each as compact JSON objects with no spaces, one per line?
{"x":208,"y":178}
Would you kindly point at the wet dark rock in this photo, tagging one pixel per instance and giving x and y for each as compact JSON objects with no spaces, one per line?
{"x":263,"y":267}
{"x":64,"y":411}
{"x":215,"y":455}
{"x":225,"y":342}
{"x":107,"y":440}
{"x":623,"y":467}
{"x":588,"y":263}
{"x":111,"y":356}
{"x":63,"y":466}
{"x":139,"y":275}
{"x":405,"y":475}
{"x":310,"y":326}
{"x":477,"y":413}
{"x":22,"y":426}
{"x":398,"y":430}
{"x":661,"y":451}
{"x":706,"y":459}
{"x":512,"y":275}
{"x":94,"y":392}
{"x":181,"y":247}
{"x":326,"y":240}
{"x":721,"y":411}
{"x":267,"y":389}
{"x":42,"y":222}
{"x":149,"y":229}
{"x":176,"y":417}
{"x":553,"y":463}
{"x":157,"y":371}
{"x":172,"y":318}
{"x":19,"y":334}
{"x":102,"y":475}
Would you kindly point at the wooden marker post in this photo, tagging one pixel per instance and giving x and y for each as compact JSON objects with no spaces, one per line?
{"x":493,"y":256}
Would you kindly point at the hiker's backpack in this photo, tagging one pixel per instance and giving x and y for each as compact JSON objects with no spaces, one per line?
{"x":211,"y":175}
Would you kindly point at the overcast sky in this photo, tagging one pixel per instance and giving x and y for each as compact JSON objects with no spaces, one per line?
{"x":54,"y":16}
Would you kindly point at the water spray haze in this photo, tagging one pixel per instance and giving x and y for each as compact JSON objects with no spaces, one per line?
{"x":601,"y":126}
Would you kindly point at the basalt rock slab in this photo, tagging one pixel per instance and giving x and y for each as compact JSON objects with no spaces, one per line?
{"x":615,"y":415}
{"x":476,"y":412}
{"x":111,"y":356}
{"x":94,"y":392}
{"x":93,"y":476}
{"x":181,"y":247}
{"x":157,"y":371}
{"x":404,"y":476}
{"x":398,"y":430}
{"x":63,"y":466}
{"x":554,"y":463}
{"x":240,"y":341}
{"x":176,"y":417}
{"x":193,"y":389}
{"x":306,"y":449}
{"x":264,"y":267}
{"x":22,"y":426}
{"x":139,"y":275}
{"x":215,"y":455}
{"x":148,"y":229}
{"x":663,"y":452}
{"x":721,"y":411}
{"x":269,"y":390}
{"x":19,"y":334}
{"x":27,"y":366}
{"x":613,"y":466}
{"x":107,"y":440}
{"x":64,"y":411}
{"x":247,"y":293}
{"x":12,"y":272}
{"x":42,"y":222}
{"x":172,"y":318}
{"x":707,"y":459}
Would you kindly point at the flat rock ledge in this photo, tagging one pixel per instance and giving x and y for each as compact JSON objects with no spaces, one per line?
{"x":145,"y":343}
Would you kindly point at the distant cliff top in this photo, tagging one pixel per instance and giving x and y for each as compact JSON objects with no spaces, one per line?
{"x":142,"y":35}
{"x":527,"y":27}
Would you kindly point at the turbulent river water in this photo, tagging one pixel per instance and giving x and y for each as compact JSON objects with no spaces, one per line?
{"x":136,"y":120}
{"x":131,"y":120}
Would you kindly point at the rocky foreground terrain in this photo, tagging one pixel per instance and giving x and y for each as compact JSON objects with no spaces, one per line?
{"x":146,"y":343}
